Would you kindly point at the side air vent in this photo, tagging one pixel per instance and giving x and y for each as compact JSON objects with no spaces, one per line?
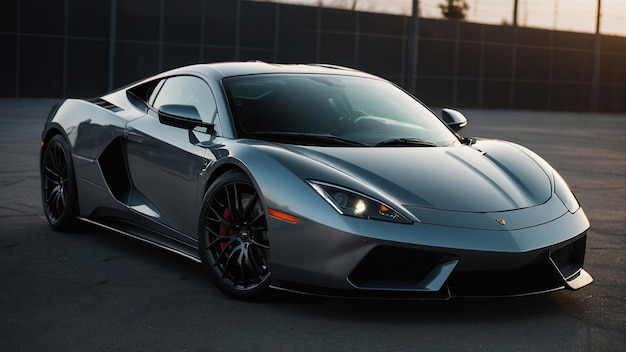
{"x":115,"y":172}
{"x":106,"y":105}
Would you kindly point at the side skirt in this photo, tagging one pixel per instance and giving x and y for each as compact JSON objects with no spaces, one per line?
{"x":147,"y":237}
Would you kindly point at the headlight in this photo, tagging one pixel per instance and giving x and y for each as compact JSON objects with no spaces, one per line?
{"x":562,"y":190}
{"x":351,"y":203}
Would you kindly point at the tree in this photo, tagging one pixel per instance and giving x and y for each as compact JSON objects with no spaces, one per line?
{"x":454,"y":9}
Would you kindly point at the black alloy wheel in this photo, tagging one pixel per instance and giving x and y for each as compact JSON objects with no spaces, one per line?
{"x":234,"y":243}
{"x":58,"y":185}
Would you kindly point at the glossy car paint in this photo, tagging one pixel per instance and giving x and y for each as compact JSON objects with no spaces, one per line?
{"x":483,"y":206}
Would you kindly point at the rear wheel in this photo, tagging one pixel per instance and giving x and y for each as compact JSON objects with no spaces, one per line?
{"x":234,"y":244}
{"x":58,"y":185}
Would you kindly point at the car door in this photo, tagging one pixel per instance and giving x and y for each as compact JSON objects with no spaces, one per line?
{"x":165,"y":162}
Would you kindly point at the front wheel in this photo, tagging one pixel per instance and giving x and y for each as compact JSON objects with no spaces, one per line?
{"x":234,"y":245}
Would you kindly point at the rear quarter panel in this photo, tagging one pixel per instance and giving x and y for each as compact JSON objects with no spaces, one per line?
{"x":89,"y":129}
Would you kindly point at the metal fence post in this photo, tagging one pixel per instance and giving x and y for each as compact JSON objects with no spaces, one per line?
{"x":412,"y":54}
{"x":112,"y":35}
{"x":595,"y":83}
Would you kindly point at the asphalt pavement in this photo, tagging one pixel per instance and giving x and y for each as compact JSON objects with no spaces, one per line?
{"x":93,"y":290}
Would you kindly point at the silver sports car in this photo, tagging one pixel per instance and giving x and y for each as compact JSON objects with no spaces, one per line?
{"x":312,"y":178}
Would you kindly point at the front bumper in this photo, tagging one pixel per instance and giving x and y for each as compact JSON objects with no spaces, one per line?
{"x":429,"y":261}
{"x":399,"y":272}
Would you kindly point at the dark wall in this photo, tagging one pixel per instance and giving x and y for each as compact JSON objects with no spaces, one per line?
{"x":63,"y":48}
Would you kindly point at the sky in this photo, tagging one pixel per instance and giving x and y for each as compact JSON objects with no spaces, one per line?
{"x":563,"y":15}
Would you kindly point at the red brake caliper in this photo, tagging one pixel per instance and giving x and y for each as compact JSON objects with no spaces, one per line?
{"x":224,"y":230}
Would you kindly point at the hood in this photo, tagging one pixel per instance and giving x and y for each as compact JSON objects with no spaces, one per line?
{"x":488,"y":176}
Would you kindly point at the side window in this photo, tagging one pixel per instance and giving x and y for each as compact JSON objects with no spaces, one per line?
{"x":142,"y":96}
{"x":186,"y":90}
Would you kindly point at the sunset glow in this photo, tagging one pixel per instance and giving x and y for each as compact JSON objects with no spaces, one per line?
{"x":562,"y":15}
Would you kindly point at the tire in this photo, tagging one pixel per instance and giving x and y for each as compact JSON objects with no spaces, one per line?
{"x":58,"y":185}
{"x":233,"y":237}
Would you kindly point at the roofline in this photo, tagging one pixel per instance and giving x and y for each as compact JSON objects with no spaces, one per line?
{"x":221,"y":70}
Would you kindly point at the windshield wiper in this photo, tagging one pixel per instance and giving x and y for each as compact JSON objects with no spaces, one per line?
{"x":403,"y":142}
{"x":307,"y":138}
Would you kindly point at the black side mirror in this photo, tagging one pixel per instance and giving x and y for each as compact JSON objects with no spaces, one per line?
{"x":454,"y":119}
{"x":182,"y":116}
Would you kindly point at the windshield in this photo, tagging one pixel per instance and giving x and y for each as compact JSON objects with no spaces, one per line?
{"x":332,"y":110}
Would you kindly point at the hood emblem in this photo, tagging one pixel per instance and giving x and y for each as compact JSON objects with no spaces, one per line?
{"x":501,"y":222}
